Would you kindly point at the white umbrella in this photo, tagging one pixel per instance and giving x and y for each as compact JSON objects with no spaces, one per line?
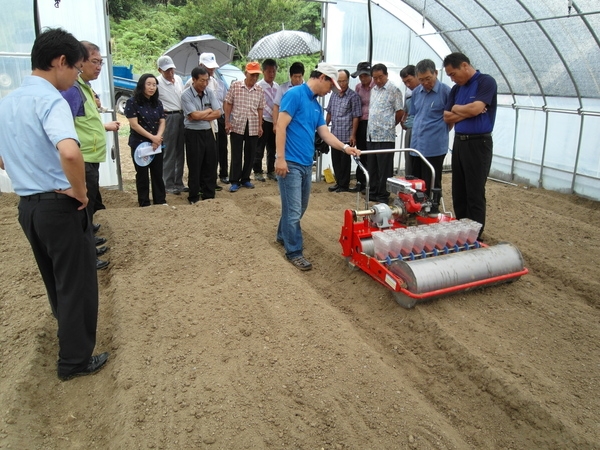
{"x":186,"y":53}
{"x":285,"y":43}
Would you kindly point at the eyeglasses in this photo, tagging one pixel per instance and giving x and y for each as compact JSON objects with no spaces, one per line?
{"x":97,"y":62}
{"x":79,"y":71}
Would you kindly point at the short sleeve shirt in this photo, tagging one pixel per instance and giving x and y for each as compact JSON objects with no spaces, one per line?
{"x":429,"y":131}
{"x":35,"y":118}
{"x":482,"y":88}
{"x":307,"y":115}
{"x":270,"y":91}
{"x":246,"y":103}
{"x":192,"y":101}
{"x":365,"y":98}
{"x":384,"y":103}
{"x":343,"y":110}
{"x":170,"y":93}
{"x":148,"y":117}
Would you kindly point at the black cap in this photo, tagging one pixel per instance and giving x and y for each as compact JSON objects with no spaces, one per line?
{"x":363,"y":67}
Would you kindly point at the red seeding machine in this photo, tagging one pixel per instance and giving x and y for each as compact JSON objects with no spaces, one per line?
{"x":418,"y":252}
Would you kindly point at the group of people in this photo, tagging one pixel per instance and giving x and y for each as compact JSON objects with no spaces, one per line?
{"x":435,"y":108}
{"x":191,"y":123}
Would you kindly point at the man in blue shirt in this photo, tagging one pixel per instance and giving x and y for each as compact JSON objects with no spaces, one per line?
{"x":430,"y":132}
{"x":471,"y":108}
{"x":39,"y":149}
{"x":300,"y":115}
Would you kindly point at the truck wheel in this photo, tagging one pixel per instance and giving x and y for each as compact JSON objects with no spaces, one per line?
{"x":120,"y":103}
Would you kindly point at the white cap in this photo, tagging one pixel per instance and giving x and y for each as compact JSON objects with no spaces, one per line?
{"x":165,"y":63}
{"x":208,"y":60}
{"x":331,"y":72}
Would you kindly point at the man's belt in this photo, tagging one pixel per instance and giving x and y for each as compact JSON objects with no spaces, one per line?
{"x":173,"y":112}
{"x":468,"y":137}
{"x":46,"y":196}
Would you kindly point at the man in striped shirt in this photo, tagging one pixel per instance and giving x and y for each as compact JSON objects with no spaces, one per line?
{"x":343,"y":112}
{"x":244,"y":106}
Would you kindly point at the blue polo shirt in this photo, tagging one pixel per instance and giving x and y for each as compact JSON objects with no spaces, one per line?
{"x":35,"y":118}
{"x":480,"y":87}
{"x":307,"y":115}
{"x":430,"y":132}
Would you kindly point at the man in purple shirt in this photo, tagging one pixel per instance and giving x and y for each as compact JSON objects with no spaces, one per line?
{"x":471,"y":108}
{"x":343,"y":112}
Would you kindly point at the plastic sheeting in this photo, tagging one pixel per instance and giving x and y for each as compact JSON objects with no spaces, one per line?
{"x":86,"y":21}
{"x":546,"y":63}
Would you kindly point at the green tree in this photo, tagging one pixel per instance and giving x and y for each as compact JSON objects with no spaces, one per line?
{"x":140,"y":41}
{"x":243,"y":22}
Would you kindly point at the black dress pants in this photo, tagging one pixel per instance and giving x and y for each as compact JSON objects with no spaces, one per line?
{"x":143,"y":175}
{"x":92,"y":183}
{"x":61,"y":238}
{"x":342,"y":163}
{"x":422,"y":171}
{"x":471,"y":162}
{"x":222,"y":148}
{"x":266,"y":141}
{"x":201,"y":154}
{"x":381,"y":167}
{"x":243,"y":149}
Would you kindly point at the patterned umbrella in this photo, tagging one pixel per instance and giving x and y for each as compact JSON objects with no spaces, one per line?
{"x":186,"y":53}
{"x":285,"y":43}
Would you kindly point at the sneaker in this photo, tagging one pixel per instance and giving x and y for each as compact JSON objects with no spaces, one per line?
{"x":249,"y":185}
{"x":259,"y":177}
{"x":234,"y":188}
{"x":272,"y":176}
{"x":218,"y":188}
{"x":301,"y":263}
{"x":224,"y":180}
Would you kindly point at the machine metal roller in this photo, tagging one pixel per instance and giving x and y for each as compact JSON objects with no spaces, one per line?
{"x":420,"y":253}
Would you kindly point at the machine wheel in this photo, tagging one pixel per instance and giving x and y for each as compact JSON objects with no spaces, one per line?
{"x":120,"y":103}
{"x":404,"y":300}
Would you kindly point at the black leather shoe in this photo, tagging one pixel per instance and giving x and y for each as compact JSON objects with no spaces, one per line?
{"x":99,"y":240}
{"x":101,"y":264}
{"x":342,"y":189}
{"x":95,"y":227}
{"x":101,"y":250}
{"x":96,"y":363}
{"x":333,"y":188}
{"x":356,"y":188}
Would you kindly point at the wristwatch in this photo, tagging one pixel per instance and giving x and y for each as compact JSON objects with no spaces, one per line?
{"x":345,"y":147}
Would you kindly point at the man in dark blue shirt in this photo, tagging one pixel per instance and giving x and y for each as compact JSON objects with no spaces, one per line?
{"x":471,"y":109}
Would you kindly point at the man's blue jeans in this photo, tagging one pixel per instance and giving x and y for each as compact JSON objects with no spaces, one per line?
{"x":294,"y":190}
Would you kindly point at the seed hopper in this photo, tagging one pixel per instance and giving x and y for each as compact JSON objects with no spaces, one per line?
{"x":418,"y":252}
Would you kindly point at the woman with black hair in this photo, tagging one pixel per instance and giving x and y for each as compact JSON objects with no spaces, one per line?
{"x":147,"y":122}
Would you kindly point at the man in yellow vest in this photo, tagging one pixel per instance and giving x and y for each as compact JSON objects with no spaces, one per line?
{"x":90,"y":130}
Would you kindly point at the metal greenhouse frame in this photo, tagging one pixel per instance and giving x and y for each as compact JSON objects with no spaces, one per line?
{"x":544,"y":55}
